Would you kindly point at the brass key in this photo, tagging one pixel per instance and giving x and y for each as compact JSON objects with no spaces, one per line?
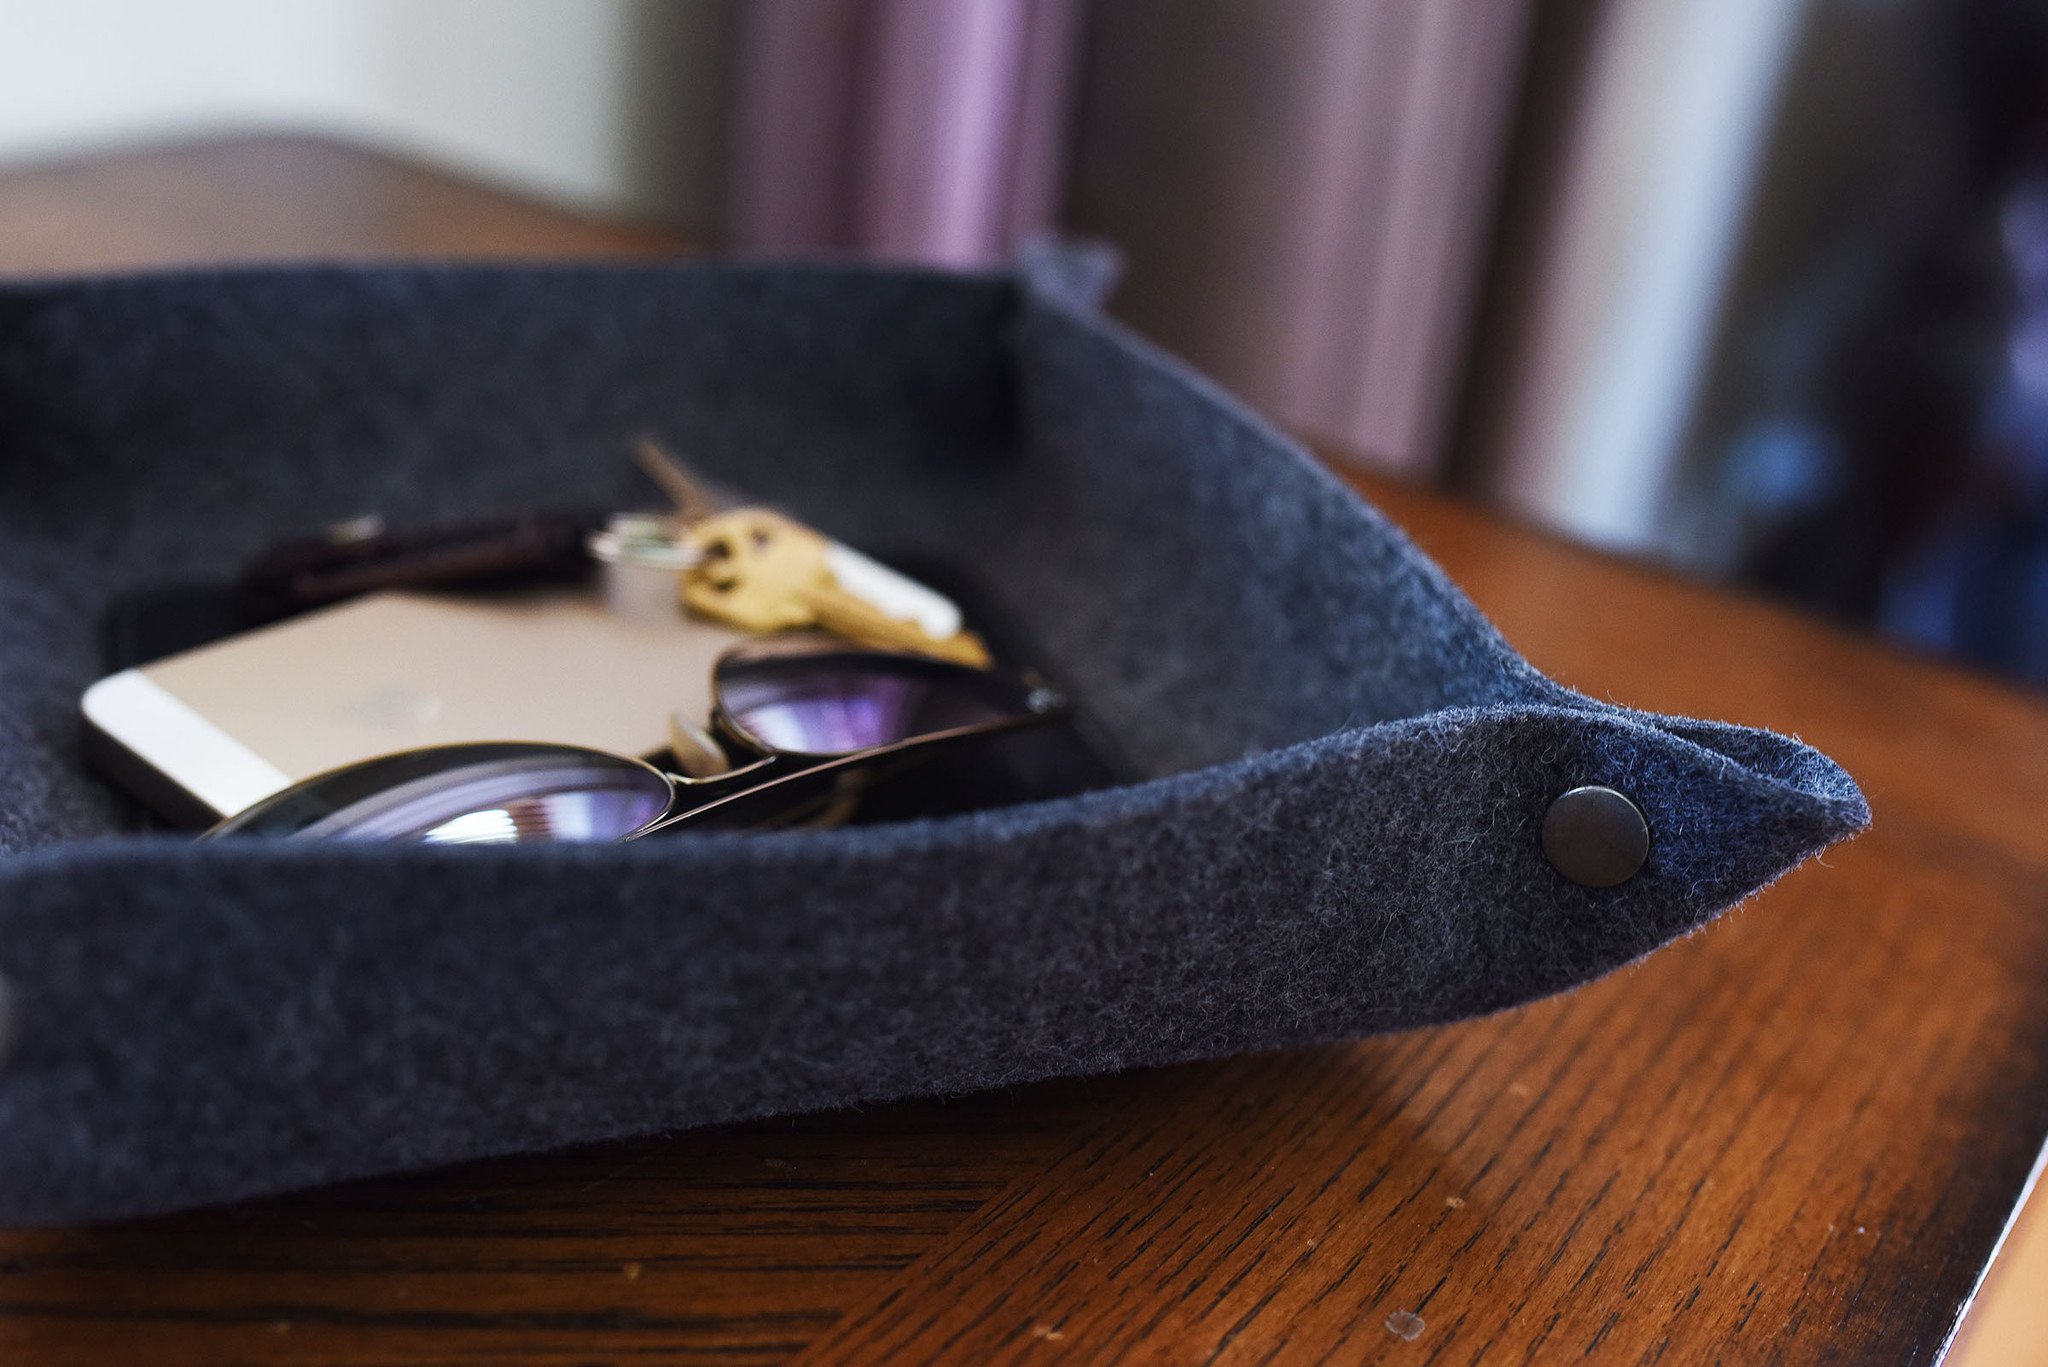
{"x":763,"y":572}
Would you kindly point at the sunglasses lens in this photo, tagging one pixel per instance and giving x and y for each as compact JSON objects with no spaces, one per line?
{"x":468,"y":795}
{"x":839,"y":702}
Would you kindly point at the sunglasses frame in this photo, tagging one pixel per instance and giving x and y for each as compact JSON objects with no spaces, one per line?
{"x":769,"y":768}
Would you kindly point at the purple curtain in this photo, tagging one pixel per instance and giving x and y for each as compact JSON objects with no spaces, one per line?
{"x":1303,"y":191}
{"x":930,"y":130}
{"x":1302,"y":188}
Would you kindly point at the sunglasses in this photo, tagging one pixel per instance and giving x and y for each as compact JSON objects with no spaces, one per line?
{"x":800,"y":725}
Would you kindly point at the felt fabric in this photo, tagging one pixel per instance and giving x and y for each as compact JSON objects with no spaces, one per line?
{"x":1345,"y":766}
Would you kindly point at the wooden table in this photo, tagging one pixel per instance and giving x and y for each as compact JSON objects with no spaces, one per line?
{"x":1796,"y":1136}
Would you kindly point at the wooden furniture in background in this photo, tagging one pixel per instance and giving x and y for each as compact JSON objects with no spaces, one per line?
{"x":256,"y":199}
{"x":1795,"y":1136}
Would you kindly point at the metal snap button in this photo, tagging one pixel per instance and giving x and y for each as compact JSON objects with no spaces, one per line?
{"x":1595,"y":837}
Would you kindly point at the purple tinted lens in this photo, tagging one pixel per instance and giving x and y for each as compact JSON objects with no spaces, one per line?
{"x":498,"y":794}
{"x":827,"y":716}
{"x":509,"y":802}
{"x":599,"y":815}
{"x":843,"y":702}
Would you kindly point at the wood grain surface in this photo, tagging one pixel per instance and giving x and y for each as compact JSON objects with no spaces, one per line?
{"x":1794,"y":1137}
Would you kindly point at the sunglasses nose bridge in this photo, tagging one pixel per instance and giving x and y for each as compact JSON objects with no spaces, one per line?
{"x":712,"y":786}
{"x":775,"y":790}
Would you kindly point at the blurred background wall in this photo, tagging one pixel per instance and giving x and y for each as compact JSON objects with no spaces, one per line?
{"x":616,"y":105}
{"x":1758,"y":288}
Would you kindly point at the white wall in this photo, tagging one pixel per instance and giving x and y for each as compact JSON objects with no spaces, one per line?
{"x":613,"y":104}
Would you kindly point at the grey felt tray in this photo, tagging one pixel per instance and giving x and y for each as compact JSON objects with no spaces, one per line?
{"x":1337,"y":833}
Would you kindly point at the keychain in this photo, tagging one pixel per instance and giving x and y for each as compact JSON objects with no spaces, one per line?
{"x":762,"y":571}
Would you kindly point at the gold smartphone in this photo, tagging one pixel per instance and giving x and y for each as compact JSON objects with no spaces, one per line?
{"x":201,"y":735}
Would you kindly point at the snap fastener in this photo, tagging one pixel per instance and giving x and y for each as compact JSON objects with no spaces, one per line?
{"x":1595,"y":837}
